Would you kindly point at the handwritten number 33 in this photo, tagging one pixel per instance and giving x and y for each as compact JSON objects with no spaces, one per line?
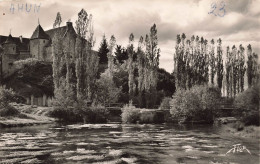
{"x":221,"y":11}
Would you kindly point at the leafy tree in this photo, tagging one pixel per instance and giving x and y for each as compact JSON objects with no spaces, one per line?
{"x":220,"y":66}
{"x":57,"y":54}
{"x":103,"y":51}
{"x":120,"y":54}
{"x":242,"y":68}
{"x":228,"y":73}
{"x":58,"y":20}
{"x":82,"y":23}
{"x":107,"y":91}
{"x":252,"y":67}
{"x":166,"y":82}
{"x":212,"y":62}
{"x":6,"y":97}
{"x":247,"y":105}
{"x":112,"y":43}
{"x":130,"y":68}
{"x":200,"y":103}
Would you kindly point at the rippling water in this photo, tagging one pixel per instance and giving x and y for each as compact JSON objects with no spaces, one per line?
{"x":116,"y":143}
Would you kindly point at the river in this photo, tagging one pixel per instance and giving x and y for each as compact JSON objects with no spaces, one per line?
{"x":116,"y":143}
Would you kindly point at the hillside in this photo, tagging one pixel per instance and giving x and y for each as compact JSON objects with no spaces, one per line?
{"x":31,"y":77}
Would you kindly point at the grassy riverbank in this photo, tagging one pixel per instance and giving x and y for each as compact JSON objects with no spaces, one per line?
{"x":28,"y":115}
{"x":242,"y":131}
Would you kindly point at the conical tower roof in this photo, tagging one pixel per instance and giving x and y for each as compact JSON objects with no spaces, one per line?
{"x":39,"y":33}
{"x":9,"y":40}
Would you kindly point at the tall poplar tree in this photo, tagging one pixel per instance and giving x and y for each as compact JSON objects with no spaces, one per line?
{"x":219,"y":64}
{"x":130,"y":52}
{"x":57,"y":21}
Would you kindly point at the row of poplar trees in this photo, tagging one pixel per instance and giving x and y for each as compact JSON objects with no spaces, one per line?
{"x":147,"y":64}
{"x":75,"y":65}
{"x":196,"y":62}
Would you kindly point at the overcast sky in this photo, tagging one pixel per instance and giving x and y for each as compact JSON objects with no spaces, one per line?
{"x":239,"y":25}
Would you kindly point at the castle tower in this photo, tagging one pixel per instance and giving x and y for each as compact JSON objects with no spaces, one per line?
{"x":38,"y":42}
{"x":9,"y":56}
{"x":10,"y":46}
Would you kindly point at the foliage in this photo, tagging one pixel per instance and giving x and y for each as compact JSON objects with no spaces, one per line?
{"x":130,"y":114}
{"x":106,"y":90}
{"x":58,"y":20}
{"x":83,"y":22}
{"x":130,"y":68}
{"x":200,"y":103}
{"x":252,"y":67}
{"x":81,"y":112}
{"x":95,"y":114}
{"x":103,"y":51}
{"x":165,"y":104}
{"x":64,"y":96}
{"x":197,"y":63}
{"x":20,"y":64}
{"x":148,"y":55}
{"x":120,"y":77}
{"x":166,"y":82}
{"x":191,"y":62}
{"x":6,"y":97}
{"x":219,"y":63}
{"x":247,"y":105}
{"x":120,"y":54}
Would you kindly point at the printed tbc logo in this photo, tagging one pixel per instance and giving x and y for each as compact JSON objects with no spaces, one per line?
{"x":238,"y":148}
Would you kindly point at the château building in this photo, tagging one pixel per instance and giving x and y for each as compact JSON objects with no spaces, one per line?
{"x":39,"y":46}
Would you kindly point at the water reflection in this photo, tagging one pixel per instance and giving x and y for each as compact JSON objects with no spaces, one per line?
{"x":115,"y":143}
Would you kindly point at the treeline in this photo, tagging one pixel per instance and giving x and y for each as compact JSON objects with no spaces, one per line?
{"x":136,"y":70}
{"x":196,"y":62}
{"x":114,"y":74}
{"x":74,"y":74}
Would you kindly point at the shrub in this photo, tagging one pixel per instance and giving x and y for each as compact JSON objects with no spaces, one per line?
{"x":27,"y":62}
{"x":200,"y":103}
{"x":97,"y":114}
{"x":165,"y":104}
{"x":6,"y":97}
{"x":147,"y":117}
{"x":80,"y":113}
{"x":106,"y":90}
{"x":130,"y":114}
{"x":9,"y":111}
{"x":247,"y":106}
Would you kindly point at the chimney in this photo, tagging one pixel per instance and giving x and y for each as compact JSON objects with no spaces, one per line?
{"x":21,"y":38}
{"x":69,"y":25}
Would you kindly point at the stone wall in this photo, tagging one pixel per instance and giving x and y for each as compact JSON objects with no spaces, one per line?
{"x":37,"y":48}
{"x":7,"y":65}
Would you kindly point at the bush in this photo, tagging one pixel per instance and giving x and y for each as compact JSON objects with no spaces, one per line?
{"x":247,"y":106}
{"x":95,"y":114}
{"x":165,"y":104}
{"x":147,"y":117}
{"x":9,"y":111}
{"x":130,"y":114}
{"x":200,"y":103}
{"x":6,"y":97}
{"x":27,"y":62}
{"x":80,"y":113}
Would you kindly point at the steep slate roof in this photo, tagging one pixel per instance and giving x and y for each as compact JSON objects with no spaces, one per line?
{"x":52,"y":32}
{"x":39,"y":33}
{"x":23,"y":46}
{"x":9,"y":40}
